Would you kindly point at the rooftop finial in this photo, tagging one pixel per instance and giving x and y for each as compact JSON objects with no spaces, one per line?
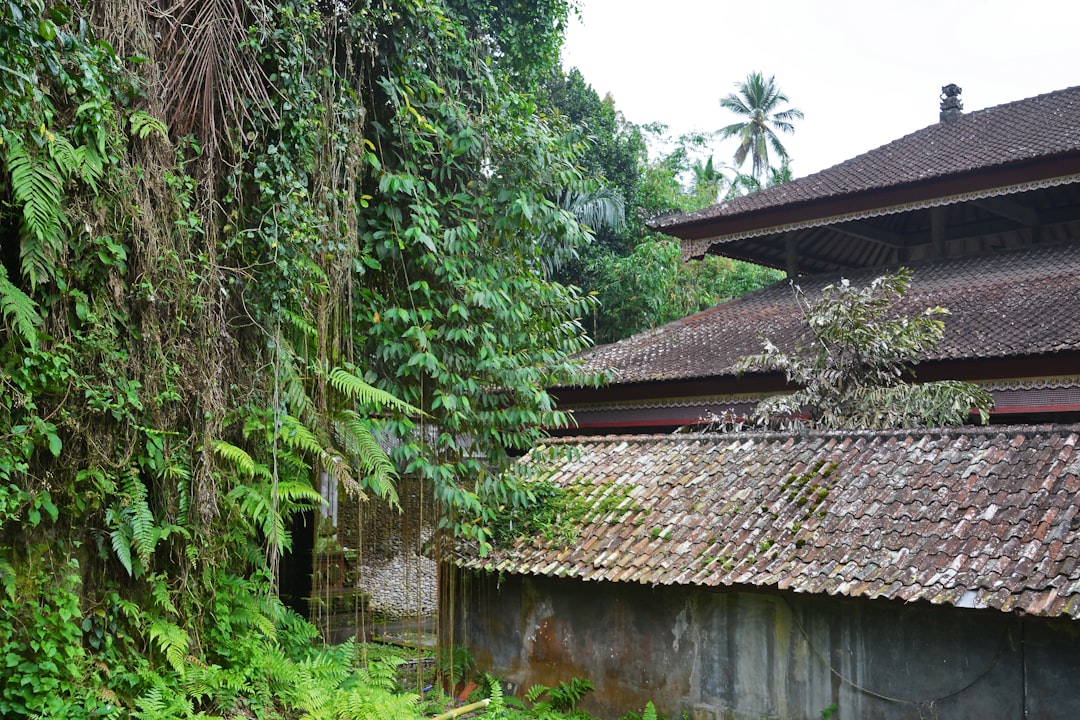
{"x":951,"y":107}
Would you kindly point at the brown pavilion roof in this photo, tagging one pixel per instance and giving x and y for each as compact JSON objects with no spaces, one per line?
{"x":1017,"y":304}
{"x":983,"y":518}
{"x":1024,"y":147}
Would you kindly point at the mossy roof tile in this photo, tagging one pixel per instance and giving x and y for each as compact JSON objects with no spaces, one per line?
{"x":930,"y":534}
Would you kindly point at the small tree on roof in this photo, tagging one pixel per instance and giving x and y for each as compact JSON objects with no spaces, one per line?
{"x":854,"y":364}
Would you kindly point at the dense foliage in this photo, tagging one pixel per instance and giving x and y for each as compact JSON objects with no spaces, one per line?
{"x":853,"y":366}
{"x":246,"y":249}
{"x":637,"y":275}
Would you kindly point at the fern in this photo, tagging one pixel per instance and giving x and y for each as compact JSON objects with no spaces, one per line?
{"x":89,"y":166}
{"x":7,"y":579}
{"x":37,"y":185}
{"x":70,"y":160}
{"x":300,"y":323}
{"x":143,"y":124}
{"x":134,"y":534}
{"x":120,"y":537}
{"x":256,"y":506}
{"x":298,"y":437}
{"x":294,"y":392}
{"x":160,"y":703}
{"x":20,"y":309}
{"x":144,"y":534}
{"x":293,"y":496}
{"x":497,"y":707}
{"x":352,"y":387}
{"x":172,"y":641}
{"x":235,"y":456}
{"x":352,"y":430}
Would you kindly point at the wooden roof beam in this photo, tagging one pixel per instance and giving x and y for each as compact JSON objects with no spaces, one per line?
{"x":1010,"y":210}
{"x":866,"y":231}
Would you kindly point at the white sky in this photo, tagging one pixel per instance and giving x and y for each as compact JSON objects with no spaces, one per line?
{"x":864,"y":72}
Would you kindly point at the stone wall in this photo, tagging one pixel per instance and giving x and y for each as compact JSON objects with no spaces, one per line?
{"x":400,"y":580}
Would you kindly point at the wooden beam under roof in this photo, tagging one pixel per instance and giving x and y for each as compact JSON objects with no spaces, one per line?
{"x":868,"y":231}
{"x":1010,"y":210}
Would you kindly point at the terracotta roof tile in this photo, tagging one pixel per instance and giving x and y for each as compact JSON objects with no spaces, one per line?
{"x":775,"y":511}
{"x":1012,"y":304}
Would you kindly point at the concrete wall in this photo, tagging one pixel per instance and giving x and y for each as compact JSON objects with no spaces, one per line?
{"x":756,"y":655}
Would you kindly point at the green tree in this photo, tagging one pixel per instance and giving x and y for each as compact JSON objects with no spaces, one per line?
{"x":455,"y":308}
{"x":758,"y":103}
{"x":853,"y":365}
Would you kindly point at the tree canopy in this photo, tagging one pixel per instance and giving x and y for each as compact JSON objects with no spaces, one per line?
{"x":853,"y":366}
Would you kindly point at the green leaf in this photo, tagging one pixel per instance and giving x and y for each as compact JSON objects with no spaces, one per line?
{"x":55,"y":445}
{"x":235,"y":456}
{"x":17,"y":307}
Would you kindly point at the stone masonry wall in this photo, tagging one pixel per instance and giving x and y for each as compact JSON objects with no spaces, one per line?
{"x":394,"y":572}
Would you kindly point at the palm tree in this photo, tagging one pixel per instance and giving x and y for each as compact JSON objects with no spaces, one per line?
{"x":758,"y":102}
{"x":707,"y":181}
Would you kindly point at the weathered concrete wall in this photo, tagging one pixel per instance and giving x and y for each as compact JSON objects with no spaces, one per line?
{"x":756,"y":655}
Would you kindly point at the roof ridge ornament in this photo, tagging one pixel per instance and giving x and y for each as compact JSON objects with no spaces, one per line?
{"x":951,"y":107}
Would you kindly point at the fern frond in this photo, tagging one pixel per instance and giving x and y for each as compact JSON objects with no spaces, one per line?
{"x":37,"y":185}
{"x":298,"y":496}
{"x":293,"y":385}
{"x":143,"y":123}
{"x":256,"y":507}
{"x":20,"y":309}
{"x":236,"y":457}
{"x":7,"y":578}
{"x":63,"y":153}
{"x":90,"y":167}
{"x":367,"y":395}
{"x":298,"y":437}
{"x":144,"y":533}
{"x":120,"y":538}
{"x":301,"y":324}
{"x":159,"y":703}
{"x":376,"y":467}
{"x":172,"y":641}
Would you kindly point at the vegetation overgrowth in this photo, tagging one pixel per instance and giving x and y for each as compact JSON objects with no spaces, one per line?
{"x":854,"y":364}
{"x":248,"y":252}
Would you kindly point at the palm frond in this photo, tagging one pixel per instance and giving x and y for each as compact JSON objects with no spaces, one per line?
{"x":212,"y":68}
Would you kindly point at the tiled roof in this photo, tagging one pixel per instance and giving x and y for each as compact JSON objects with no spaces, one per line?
{"x":1034,"y":128}
{"x":1015,"y":304}
{"x":985,"y":518}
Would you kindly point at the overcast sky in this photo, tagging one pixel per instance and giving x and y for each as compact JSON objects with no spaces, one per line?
{"x":864,"y":72}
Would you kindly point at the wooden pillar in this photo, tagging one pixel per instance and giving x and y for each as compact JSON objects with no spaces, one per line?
{"x":937,"y":231}
{"x":791,"y":253}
